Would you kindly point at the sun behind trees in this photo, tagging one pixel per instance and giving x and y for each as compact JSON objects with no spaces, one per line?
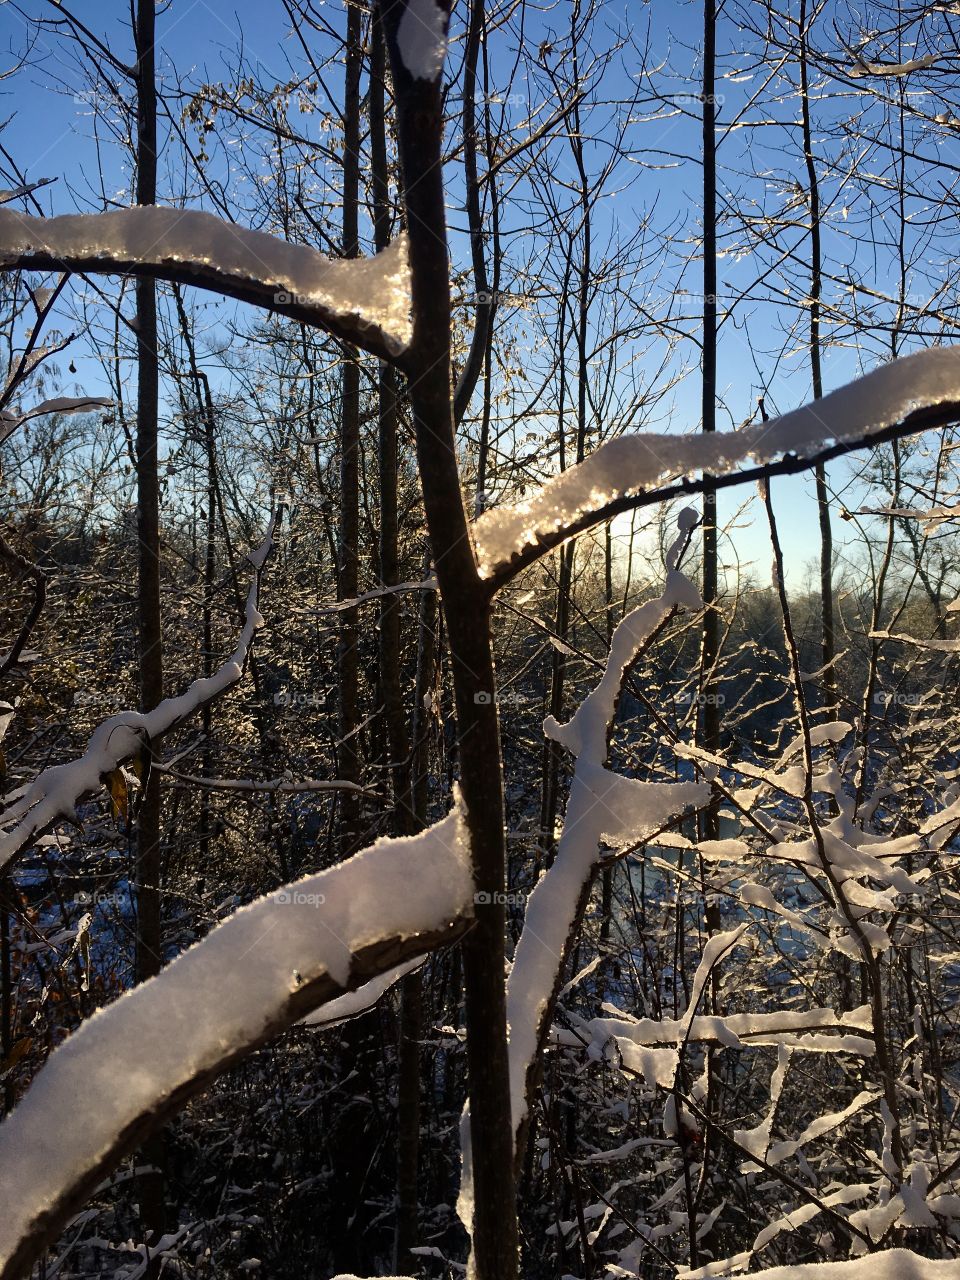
{"x":409,"y":802}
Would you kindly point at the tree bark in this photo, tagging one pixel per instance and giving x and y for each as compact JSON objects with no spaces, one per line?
{"x":149,"y":871}
{"x":827,"y":626}
{"x":466,"y":601}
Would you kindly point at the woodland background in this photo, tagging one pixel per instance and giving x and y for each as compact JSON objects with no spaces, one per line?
{"x":660,"y":219}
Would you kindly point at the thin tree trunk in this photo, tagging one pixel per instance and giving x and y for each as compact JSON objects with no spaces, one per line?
{"x":827,"y":631}
{"x":710,"y":650}
{"x":407,"y":817}
{"x":149,"y":872}
{"x":466,"y":602}
{"x":349,"y":532}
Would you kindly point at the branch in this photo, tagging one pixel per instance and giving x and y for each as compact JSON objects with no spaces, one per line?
{"x":363,"y":301}
{"x":602,"y":807}
{"x":135,"y":1063}
{"x":55,"y":792}
{"x":19,"y":564}
{"x":907,"y":396}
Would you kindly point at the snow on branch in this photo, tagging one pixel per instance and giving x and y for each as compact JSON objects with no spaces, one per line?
{"x":136,"y":1062}
{"x":60,"y":404}
{"x":649,"y":1046}
{"x":55,"y":792}
{"x":602,"y":808}
{"x":889,"y":1264}
{"x":360,"y":300}
{"x":622,"y":470}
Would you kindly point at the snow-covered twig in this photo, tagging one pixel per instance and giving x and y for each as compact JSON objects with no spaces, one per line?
{"x":9,"y":422}
{"x":283,"y":786}
{"x":602,"y":807}
{"x":136,"y":1062}
{"x":55,"y":792}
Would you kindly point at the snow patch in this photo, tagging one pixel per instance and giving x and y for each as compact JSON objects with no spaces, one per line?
{"x":422,"y":39}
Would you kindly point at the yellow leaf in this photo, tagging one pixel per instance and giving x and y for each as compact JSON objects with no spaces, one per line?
{"x":117,"y":784}
{"x":15,"y":1054}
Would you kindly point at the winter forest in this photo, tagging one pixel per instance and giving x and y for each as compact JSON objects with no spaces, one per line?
{"x":479,"y":650}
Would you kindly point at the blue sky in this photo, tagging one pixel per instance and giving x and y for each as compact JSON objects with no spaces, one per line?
{"x":50,"y":134}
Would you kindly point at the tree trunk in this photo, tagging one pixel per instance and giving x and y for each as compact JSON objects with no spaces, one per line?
{"x":149,"y":872}
{"x":349,"y":533}
{"x":827,"y":641}
{"x":466,"y":602}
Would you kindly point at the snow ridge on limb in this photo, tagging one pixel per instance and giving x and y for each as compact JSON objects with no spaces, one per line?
{"x":889,"y":1264}
{"x":626,"y":466}
{"x":361,"y":300}
{"x":602,"y":807}
{"x":137,"y":1061}
{"x":54,"y":793}
{"x":60,"y":404}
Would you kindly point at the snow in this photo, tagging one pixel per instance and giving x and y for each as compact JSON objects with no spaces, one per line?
{"x":650,"y":1047}
{"x":629,"y":464}
{"x":222,"y":995}
{"x":359,"y":1001}
{"x":862,"y":68}
{"x":375,"y":290}
{"x":889,"y":1264}
{"x":59,"y":404}
{"x":601,"y":807}
{"x":422,"y":39}
{"x":54,"y":793}
{"x":717,"y":947}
